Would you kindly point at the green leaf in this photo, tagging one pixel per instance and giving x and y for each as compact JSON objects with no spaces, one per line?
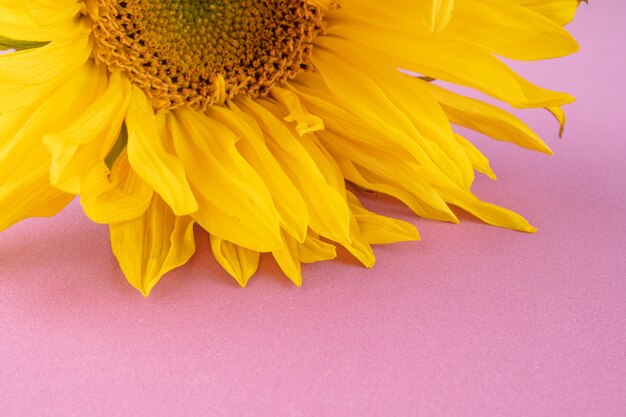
{"x":117,"y":149}
{"x":6,"y":43}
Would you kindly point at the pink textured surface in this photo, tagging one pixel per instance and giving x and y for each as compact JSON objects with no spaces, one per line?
{"x":473,"y":320}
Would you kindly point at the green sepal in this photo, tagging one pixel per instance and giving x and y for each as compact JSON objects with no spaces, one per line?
{"x":117,"y":149}
{"x":6,"y":43}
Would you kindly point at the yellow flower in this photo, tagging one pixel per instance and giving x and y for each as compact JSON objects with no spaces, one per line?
{"x":249,"y":117}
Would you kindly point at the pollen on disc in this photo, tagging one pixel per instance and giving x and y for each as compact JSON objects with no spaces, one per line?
{"x":198,"y":52}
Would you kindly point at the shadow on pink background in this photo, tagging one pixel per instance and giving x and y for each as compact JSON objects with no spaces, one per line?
{"x":473,"y":320}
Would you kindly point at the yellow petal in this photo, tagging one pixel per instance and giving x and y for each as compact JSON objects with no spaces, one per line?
{"x":41,"y":65}
{"x":52,"y":12}
{"x":446,"y":59}
{"x":377,"y":229}
{"x":306,"y":122}
{"x":87,"y":142}
{"x":487,"y":119}
{"x":24,"y":161}
{"x":559,"y":11}
{"x":320,"y":157}
{"x":479,"y":161}
{"x":32,"y":20}
{"x":115,"y":195}
{"x":313,"y":249}
{"x":288,"y":259}
{"x":27,"y":77}
{"x":149,"y":157}
{"x":235,"y":204}
{"x":359,"y":138}
{"x":328,"y":211}
{"x":152,"y":245}
{"x":412,"y":111}
{"x":386,"y":15}
{"x":29,"y":194}
{"x":359,"y":246}
{"x":560,"y":117}
{"x":360,"y":130}
{"x":239,"y":262}
{"x":489,"y":213}
{"x":437,"y":14}
{"x":377,"y":170}
{"x":294,"y":217}
{"x":510,"y":30}
{"x":22,"y":130}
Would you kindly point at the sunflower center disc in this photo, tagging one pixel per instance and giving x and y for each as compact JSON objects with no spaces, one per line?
{"x":202,"y":52}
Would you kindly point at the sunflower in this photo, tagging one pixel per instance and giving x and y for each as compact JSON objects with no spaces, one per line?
{"x":261,"y":120}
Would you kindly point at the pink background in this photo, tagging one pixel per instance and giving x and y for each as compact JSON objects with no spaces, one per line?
{"x":473,"y":320}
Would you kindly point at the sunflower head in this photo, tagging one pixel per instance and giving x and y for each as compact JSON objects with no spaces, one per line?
{"x":262,"y":121}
